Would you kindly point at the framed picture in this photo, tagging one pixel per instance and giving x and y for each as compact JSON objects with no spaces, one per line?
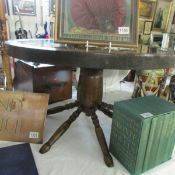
{"x":145,"y":39}
{"x":144,"y":48}
{"x":52,"y":7}
{"x":98,"y":22}
{"x":147,"y":27}
{"x":162,"y":15}
{"x":24,"y":7}
{"x":147,"y":9}
{"x":156,"y":39}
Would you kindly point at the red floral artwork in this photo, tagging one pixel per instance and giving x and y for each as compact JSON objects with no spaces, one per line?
{"x":105,"y":15}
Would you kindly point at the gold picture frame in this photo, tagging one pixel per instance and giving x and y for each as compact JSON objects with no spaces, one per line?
{"x":163,"y":11}
{"x":147,"y":28}
{"x":24,"y":7}
{"x":147,"y":9}
{"x":98,"y":22}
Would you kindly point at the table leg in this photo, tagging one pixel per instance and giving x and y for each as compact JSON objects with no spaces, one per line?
{"x":89,"y":99}
{"x":62,"y":108}
{"x":102,"y":141}
{"x":60,"y":131}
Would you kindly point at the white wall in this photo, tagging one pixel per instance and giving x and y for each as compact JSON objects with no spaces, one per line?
{"x":29,"y":21}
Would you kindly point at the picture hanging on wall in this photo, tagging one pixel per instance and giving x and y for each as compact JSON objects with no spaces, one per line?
{"x":24,"y":7}
{"x":98,"y":22}
{"x":147,"y":9}
{"x":162,"y":15}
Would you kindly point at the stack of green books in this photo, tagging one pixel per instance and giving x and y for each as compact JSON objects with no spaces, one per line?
{"x":143,"y":133}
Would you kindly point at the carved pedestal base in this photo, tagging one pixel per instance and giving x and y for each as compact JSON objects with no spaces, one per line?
{"x":89,"y":99}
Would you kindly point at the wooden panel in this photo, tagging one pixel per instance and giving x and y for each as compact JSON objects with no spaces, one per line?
{"x":22,"y":116}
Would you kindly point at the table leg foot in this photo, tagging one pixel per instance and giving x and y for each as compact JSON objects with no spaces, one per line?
{"x":102,"y":141}
{"x":45,"y":148}
{"x":62,"y":108}
{"x":60,"y":131}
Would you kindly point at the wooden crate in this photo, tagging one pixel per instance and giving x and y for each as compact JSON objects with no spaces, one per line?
{"x":45,"y":79}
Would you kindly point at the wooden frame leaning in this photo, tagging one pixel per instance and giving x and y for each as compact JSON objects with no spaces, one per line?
{"x":161,"y":18}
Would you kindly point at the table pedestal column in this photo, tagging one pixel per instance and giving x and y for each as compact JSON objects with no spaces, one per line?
{"x":89,"y":99}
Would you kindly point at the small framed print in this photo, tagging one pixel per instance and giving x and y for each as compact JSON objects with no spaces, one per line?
{"x":147,"y":9}
{"x":24,"y":7}
{"x":144,"y":48}
{"x":147,"y":27}
{"x":145,"y":39}
{"x":98,"y":22}
{"x":162,"y":15}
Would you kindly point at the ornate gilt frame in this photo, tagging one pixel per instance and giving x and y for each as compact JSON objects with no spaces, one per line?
{"x":165,"y":20}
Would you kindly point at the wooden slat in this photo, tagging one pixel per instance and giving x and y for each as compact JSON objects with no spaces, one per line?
{"x":3,"y":38}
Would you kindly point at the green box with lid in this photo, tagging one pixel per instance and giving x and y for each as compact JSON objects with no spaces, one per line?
{"x":142,"y":133}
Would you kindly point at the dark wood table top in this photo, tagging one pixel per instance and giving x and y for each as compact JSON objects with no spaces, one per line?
{"x":48,"y":52}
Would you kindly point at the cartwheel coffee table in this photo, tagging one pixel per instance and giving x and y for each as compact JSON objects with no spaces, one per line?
{"x":90,"y":85}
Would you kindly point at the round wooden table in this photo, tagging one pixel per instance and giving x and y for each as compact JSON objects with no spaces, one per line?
{"x":90,"y":86}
